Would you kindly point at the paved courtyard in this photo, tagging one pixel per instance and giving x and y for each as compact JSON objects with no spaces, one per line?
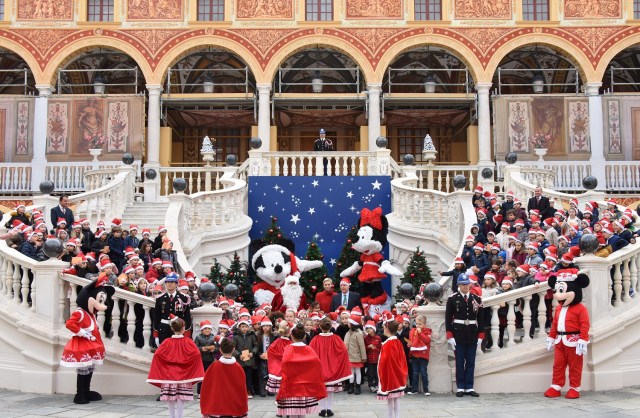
{"x":622,"y":403}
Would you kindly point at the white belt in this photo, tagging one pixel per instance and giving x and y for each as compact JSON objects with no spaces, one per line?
{"x":371,"y":263}
{"x":465,"y":321}
{"x":166,"y":321}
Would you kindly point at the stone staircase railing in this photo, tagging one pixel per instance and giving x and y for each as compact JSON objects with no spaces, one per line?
{"x":199,"y":179}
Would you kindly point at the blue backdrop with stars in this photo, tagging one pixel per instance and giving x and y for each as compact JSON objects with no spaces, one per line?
{"x":324,"y":208}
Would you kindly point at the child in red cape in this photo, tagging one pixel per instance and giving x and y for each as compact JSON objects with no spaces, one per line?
{"x":334,"y":358}
{"x":302,"y":386}
{"x":175,"y":367}
{"x":274,"y":357}
{"x":224,"y":391}
{"x":392,"y":369}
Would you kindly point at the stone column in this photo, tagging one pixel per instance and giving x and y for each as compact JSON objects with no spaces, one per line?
{"x":152,"y":186}
{"x":39,"y":161}
{"x":264,"y":116}
{"x":374,"y":114}
{"x":484,"y":126}
{"x":596,"y":133}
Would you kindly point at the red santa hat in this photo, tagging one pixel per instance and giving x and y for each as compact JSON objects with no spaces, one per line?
{"x":315,"y":316}
{"x":206,"y":324}
{"x":223,"y":301}
{"x":470,"y":238}
{"x":494,"y":203}
{"x":611,"y":201}
{"x":355,"y":319}
{"x":226,"y":323}
{"x":100,"y":233}
{"x":591,"y":204}
{"x":478,"y":189}
{"x":129,"y":269}
{"x":567,"y":275}
{"x":167,"y":264}
{"x":256,"y":319}
{"x":506,"y":225}
{"x":534,"y":219}
{"x":190,"y":276}
{"x":533,"y":246}
{"x":73,"y":242}
{"x":491,"y":233}
{"x":386,"y":316}
{"x":567,"y":258}
{"x":458,"y":260}
{"x":146,"y":231}
{"x":473,"y":278}
{"x":265,"y":321}
{"x":525,"y":268}
{"x":116,"y":222}
{"x":265,"y":306}
{"x":61,"y":221}
{"x":549,"y":222}
{"x":608,"y":229}
{"x":541,"y":232}
{"x":517,"y":201}
{"x":129,"y":251}
{"x":547,"y":265}
{"x":509,"y":194}
{"x":370,"y":324}
{"x":17,"y":223}
{"x":490,"y":275}
{"x":161,"y":229}
{"x":573,"y":202}
{"x":356,"y":311}
{"x":20,"y":205}
{"x":76,"y":224}
{"x":486,"y":194}
{"x":518,"y":222}
{"x":508,"y":281}
{"x":91,"y":256}
{"x":478,"y":246}
{"x":104,"y":263}
{"x":245,"y":312}
{"x":133,"y":227}
{"x":345,"y":280}
{"x":156,"y":262}
{"x":291,"y":279}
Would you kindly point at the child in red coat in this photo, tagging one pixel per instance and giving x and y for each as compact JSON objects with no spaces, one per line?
{"x":175,"y":367}
{"x":224,"y":390}
{"x":419,"y":346}
{"x":372,"y":344}
{"x":392,"y":368}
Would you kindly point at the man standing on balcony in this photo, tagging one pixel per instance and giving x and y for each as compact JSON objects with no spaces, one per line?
{"x":323,"y":144}
{"x":540,"y":203}
{"x":62,"y":211}
{"x":464,"y":321}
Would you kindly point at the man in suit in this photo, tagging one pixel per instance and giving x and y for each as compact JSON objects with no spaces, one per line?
{"x":346,"y":298}
{"x":540,"y":203}
{"x":62,"y":211}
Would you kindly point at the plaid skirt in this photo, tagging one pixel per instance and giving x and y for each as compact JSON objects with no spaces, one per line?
{"x":174,"y":392}
{"x":273,"y":385}
{"x":335,"y":387}
{"x":298,"y":405}
{"x":398,"y":393}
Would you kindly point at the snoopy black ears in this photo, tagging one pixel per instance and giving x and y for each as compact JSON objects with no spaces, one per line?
{"x":582,"y":280}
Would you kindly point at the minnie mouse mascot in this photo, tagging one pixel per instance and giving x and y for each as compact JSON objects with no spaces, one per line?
{"x":370,"y":240}
{"x":86,"y":349}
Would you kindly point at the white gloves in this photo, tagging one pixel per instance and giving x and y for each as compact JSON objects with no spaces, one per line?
{"x":479,"y":342}
{"x":550,"y":343}
{"x":157,"y":342}
{"x":581,"y":348}
{"x":84,"y":334}
{"x":452,"y":342}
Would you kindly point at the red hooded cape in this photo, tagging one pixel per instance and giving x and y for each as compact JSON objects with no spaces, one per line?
{"x":274,"y":355}
{"x":301,"y":373}
{"x":392,"y":366}
{"x":224,"y":391}
{"x":177,"y":360}
{"x":333,"y":356}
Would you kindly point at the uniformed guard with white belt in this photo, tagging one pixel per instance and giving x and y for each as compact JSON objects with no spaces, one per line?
{"x":465,"y":332}
{"x":171,"y":302}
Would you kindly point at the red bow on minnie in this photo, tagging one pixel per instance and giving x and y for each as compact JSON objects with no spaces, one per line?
{"x":371,"y":217}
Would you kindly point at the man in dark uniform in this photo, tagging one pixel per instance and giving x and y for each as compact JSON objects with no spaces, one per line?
{"x":465,"y":332}
{"x":171,"y":302}
{"x":323,"y":144}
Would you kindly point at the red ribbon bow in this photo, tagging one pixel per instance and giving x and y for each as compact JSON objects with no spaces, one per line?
{"x":371,"y":217}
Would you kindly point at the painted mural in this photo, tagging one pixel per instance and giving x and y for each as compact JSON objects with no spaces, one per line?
{"x":57,"y":127}
{"x":264,"y":9}
{"x":376,"y":9}
{"x":581,"y":9}
{"x":615,"y":140}
{"x":578,"y":121}
{"x":45,"y":9}
{"x":22,"y":130}
{"x":548,"y":118}
{"x":154,"y":9}
{"x":519,"y":126}
{"x":483,"y":9}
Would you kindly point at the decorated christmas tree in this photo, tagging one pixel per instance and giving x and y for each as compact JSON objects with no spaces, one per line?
{"x":236,"y":274}
{"x":311,"y":280}
{"x":347,"y":257}
{"x":273,"y":233}
{"x":417,"y":272}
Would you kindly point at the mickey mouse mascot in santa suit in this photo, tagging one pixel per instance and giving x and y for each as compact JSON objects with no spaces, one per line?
{"x":86,"y":349}
{"x":569,"y":332}
{"x":370,"y":240}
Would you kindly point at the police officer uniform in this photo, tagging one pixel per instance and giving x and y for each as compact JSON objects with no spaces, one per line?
{"x":323,"y":144}
{"x":167,"y":304}
{"x":464,"y":321}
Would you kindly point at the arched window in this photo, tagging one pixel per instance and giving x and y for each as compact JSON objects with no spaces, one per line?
{"x":100,"y":11}
{"x":535,"y":9}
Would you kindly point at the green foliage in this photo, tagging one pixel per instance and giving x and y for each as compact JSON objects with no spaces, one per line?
{"x":273,"y":233}
{"x":311,"y":280}
{"x":347,"y":257}
{"x":417,"y":272}
{"x":236,"y":274}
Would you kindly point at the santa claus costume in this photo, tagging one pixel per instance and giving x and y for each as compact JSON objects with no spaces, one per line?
{"x":290,"y":296}
{"x":175,"y":367}
{"x":274,"y":356}
{"x":302,"y":386}
{"x":224,"y":392}
{"x":334,"y":358}
{"x":392,"y":368}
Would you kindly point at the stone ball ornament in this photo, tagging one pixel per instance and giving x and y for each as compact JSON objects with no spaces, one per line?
{"x":590,"y":182}
{"x":52,"y":248}
{"x":208,"y":292}
{"x":408,"y":159}
{"x":406,"y":290}
{"x":487,"y":173}
{"x":127,"y":159}
{"x":231,"y":160}
{"x":382,"y":142}
{"x":179,"y":184}
{"x":588,"y":243}
{"x":459,"y":181}
{"x":150,"y":174}
{"x":231,"y":291}
{"x":433,"y":292}
{"x":46,"y":187}
{"x":255,"y":142}
{"x":511,"y":158}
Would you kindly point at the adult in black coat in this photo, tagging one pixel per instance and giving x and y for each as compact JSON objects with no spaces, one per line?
{"x":62,"y":211}
{"x":540,"y":203}
{"x":352,"y":298}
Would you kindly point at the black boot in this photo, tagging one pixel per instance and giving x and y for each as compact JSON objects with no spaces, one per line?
{"x":81,"y":392}
{"x":91,"y":395}
{"x":350,"y":388}
{"x":357,"y":390}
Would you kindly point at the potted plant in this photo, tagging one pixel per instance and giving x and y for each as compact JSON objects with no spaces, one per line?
{"x":540,"y":143}
{"x":95,"y":144}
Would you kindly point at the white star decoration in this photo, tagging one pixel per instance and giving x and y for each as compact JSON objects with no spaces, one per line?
{"x":260,"y":208}
{"x":376,"y":185}
{"x":332,"y":261}
{"x":311,"y":211}
{"x":295,"y":219}
{"x":349,"y":195}
{"x":314,"y":183}
{"x":276,"y":187}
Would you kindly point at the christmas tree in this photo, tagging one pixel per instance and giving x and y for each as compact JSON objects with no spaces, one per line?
{"x":311,"y":280}
{"x":417,"y":273}
{"x":216,"y":274}
{"x":236,"y":274}
{"x":273,"y":233}
{"x":347,"y":257}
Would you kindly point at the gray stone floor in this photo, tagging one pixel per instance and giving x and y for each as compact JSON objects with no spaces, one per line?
{"x":622,"y":403}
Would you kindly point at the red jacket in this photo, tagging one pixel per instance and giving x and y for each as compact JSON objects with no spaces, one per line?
{"x":572,"y":318}
{"x":324,"y":299}
{"x":372,"y":353}
{"x":420,"y":344}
